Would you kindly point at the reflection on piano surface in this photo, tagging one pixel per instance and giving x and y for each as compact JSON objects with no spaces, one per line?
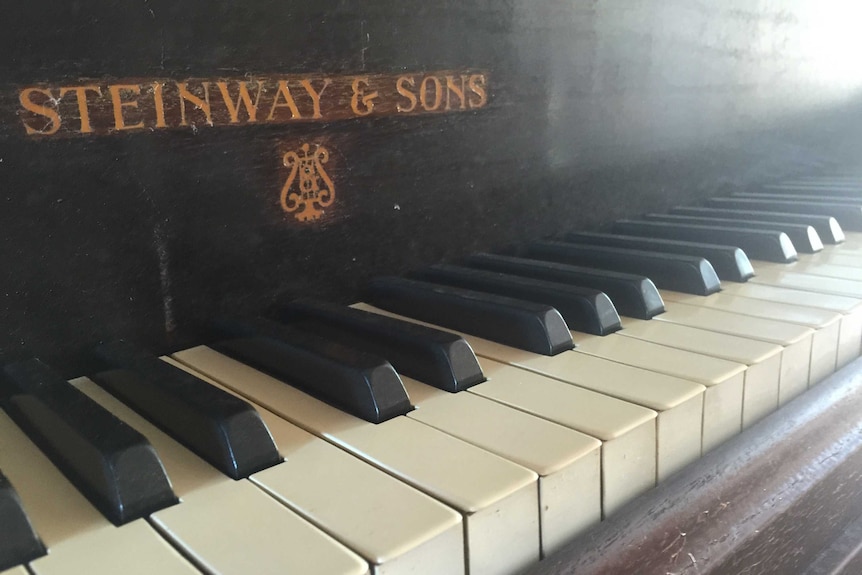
{"x":422,"y":287}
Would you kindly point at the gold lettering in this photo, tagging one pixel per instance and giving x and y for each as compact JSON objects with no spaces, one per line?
{"x":367,"y":99}
{"x":158,"y":87}
{"x":244,"y":98}
{"x":438,"y":93}
{"x":116,"y":91}
{"x":25,"y":97}
{"x":477,"y":86}
{"x":315,"y":96}
{"x":81,"y":94}
{"x":452,"y":88}
{"x":201,"y":104}
{"x":401,"y":86}
{"x":284,"y":92}
{"x":158,"y":103}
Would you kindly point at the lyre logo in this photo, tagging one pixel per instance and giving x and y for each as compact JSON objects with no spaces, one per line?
{"x":309,"y":188}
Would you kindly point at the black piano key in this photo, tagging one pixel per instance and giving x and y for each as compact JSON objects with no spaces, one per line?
{"x":223,"y":429}
{"x":729,"y":262}
{"x":817,"y":198}
{"x":810,"y":189}
{"x":632,"y":295}
{"x":113,"y":465}
{"x":432,"y":356}
{"x":772,"y":246}
{"x":18,"y":541}
{"x":584,"y":309}
{"x":688,"y":274}
{"x":525,"y":325}
{"x":354,"y":381}
{"x":848,"y":215}
{"x":804,"y":237}
{"x":827,"y":227}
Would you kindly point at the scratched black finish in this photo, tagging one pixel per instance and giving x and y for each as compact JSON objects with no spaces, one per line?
{"x":597,"y":111}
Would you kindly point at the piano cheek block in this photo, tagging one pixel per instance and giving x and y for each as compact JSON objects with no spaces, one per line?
{"x":125,"y":483}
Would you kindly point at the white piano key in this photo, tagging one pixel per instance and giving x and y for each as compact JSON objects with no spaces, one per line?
{"x":795,"y":339}
{"x":850,"y":335}
{"x":566,"y":461}
{"x":809,"y":267}
{"x":679,"y":403}
{"x":497,"y":499}
{"x":724,"y":380}
{"x":20,"y":570}
{"x":78,"y":538}
{"x":227,"y":526}
{"x":852,"y":242}
{"x":838,"y":258}
{"x":627,"y":431}
{"x":806,"y":282}
{"x":237,"y":528}
{"x":763,"y":360}
{"x":826,"y":325}
{"x":407,"y":518}
{"x":394,"y":526}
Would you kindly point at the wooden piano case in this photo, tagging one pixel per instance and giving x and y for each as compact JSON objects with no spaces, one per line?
{"x":163,"y":162}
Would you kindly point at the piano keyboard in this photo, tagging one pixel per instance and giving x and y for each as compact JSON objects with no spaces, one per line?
{"x":497,"y":460}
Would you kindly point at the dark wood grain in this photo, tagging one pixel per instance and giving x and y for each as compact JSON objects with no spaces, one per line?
{"x":770,"y":501}
{"x":595,"y":111}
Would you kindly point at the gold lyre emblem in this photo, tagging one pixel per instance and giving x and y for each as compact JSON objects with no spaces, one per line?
{"x":314,"y":190}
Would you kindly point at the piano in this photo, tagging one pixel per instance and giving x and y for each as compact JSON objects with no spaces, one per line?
{"x":488,"y":288}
